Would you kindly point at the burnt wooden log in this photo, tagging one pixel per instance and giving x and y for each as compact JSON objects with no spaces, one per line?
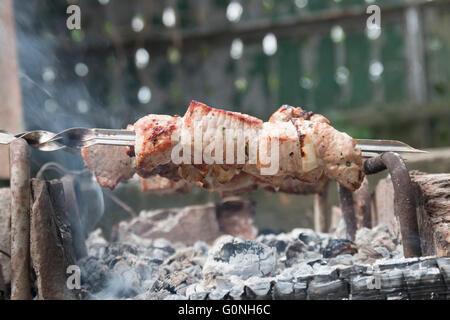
{"x":433,"y":197}
{"x":51,"y":241}
{"x":384,"y":206}
{"x":5,"y":234}
{"x":10,"y":96}
{"x":2,"y":286}
{"x":362,"y":198}
{"x":20,"y":220}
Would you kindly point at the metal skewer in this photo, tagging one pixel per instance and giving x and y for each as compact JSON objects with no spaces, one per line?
{"x":77,"y":138}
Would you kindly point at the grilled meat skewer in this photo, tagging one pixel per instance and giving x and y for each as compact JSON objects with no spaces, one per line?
{"x":309,"y":147}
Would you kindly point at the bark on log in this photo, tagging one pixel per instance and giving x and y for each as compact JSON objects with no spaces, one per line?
{"x":51,"y":251}
{"x":2,"y":286}
{"x":433,"y":196}
{"x":20,"y":220}
{"x":5,"y":234}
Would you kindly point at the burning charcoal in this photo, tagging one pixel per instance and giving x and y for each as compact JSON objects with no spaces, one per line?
{"x":283,"y":290}
{"x":244,"y":258}
{"x":317,"y":260}
{"x":202,"y":247}
{"x":339,"y":246}
{"x":280,"y":245}
{"x":300,"y":290}
{"x":94,"y":273}
{"x":336,"y":289}
{"x":171,"y":281}
{"x":364,"y":287}
{"x":379,"y":236}
{"x":293,"y":252}
{"x":218,"y":294}
{"x":392,"y":284}
{"x":257,"y":288}
{"x":117,"y":249}
{"x":310,"y":239}
{"x":346,"y":272}
{"x":424,"y":282}
{"x":343,"y":259}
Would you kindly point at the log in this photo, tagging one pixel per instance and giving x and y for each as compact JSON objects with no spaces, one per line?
{"x":20,"y":220}
{"x":10,"y":97}
{"x":50,"y":247}
{"x":2,"y":286}
{"x":5,"y":234}
{"x":384,"y":206}
{"x":433,"y":197}
{"x":362,"y":199}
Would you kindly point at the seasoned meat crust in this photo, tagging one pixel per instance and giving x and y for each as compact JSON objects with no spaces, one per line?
{"x":309,"y":147}
{"x":310,"y":152}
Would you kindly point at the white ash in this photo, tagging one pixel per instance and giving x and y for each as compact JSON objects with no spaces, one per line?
{"x":284,"y":266}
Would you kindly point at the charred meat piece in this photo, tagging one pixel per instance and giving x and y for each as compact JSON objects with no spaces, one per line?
{"x":337,"y":247}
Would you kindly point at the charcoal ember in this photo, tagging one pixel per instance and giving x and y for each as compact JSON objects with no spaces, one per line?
{"x":257,"y":288}
{"x":343,"y":259}
{"x":337,"y":247}
{"x":346,"y":272}
{"x":280,"y":245}
{"x":363,"y":287}
{"x":325,"y":273}
{"x":300,"y":290}
{"x":202,"y":247}
{"x":313,"y":258}
{"x":197,"y":292}
{"x":311,"y":239}
{"x":383,"y":252}
{"x":172,"y":282}
{"x":117,"y":250}
{"x":399,"y":263}
{"x":424,"y":282}
{"x":392,"y":284}
{"x":95,"y":274}
{"x":327,"y":290}
{"x":283,"y":290}
{"x":243,"y":258}
{"x":218,"y":294}
{"x":379,"y":236}
{"x":298,"y":271}
{"x":294,"y":252}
